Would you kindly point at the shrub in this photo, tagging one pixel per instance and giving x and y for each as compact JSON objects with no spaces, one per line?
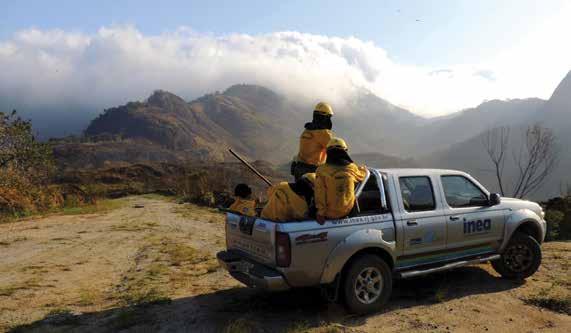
{"x":26,"y":169}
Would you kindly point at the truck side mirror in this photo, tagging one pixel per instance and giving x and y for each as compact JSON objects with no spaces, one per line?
{"x":495,"y":199}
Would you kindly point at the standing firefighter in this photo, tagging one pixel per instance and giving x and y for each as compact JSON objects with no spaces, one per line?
{"x":335,"y":182}
{"x":290,"y":201}
{"x":313,"y":142}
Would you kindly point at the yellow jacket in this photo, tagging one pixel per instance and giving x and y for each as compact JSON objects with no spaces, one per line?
{"x":244,"y":206}
{"x":284,"y":204}
{"x":335,"y":189}
{"x":313,"y":146}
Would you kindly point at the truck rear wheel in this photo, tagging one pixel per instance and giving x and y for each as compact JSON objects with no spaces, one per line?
{"x":367,"y":284}
{"x":520,"y":259}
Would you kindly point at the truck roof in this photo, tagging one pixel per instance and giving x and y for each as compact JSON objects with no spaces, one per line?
{"x":420,"y":171}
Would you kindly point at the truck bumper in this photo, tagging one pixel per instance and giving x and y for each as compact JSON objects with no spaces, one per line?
{"x":250,"y":273}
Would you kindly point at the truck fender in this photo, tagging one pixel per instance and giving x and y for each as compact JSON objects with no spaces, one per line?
{"x":515,"y":220}
{"x":359,"y":240}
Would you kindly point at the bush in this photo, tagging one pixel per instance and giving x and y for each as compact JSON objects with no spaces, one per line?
{"x":558,"y":218}
{"x":565,"y":226}
{"x":553,"y":218}
{"x":26,"y":170}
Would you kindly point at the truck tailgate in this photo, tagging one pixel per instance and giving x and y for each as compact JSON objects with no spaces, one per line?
{"x":253,"y":236}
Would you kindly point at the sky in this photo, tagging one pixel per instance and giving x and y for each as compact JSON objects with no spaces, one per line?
{"x":431,"y":57}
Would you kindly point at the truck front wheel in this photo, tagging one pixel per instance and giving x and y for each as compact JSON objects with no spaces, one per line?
{"x":520,"y":259}
{"x":367,"y":284}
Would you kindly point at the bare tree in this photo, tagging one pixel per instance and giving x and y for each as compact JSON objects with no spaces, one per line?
{"x":495,"y":142}
{"x":535,"y":159}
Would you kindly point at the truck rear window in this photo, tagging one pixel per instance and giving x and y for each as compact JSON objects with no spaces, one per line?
{"x":370,"y":199}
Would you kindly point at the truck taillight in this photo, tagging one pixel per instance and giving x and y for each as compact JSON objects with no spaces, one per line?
{"x":283,"y":250}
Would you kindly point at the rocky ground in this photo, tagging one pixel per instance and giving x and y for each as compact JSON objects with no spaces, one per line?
{"x":149,"y":265}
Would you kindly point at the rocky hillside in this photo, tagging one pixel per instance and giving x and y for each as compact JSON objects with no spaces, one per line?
{"x":254,"y":120}
{"x":249,"y":119}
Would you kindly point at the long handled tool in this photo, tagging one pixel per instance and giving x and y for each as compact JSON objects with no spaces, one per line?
{"x":250,"y":167}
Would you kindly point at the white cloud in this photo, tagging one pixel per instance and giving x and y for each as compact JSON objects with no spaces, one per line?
{"x":118,"y":64}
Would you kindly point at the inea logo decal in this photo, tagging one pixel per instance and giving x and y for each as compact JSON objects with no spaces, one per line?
{"x":477,"y":226}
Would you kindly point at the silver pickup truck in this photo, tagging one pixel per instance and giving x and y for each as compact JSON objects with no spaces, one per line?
{"x":406,"y":223}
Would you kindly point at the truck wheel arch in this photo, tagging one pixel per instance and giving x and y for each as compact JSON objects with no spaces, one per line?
{"x":362,"y":242}
{"x":524,"y":221}
{"x":376,"y":251}
{"x":530,"y":228}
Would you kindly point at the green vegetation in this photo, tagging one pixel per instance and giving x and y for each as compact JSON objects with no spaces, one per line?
{"x":26,"y":168}
{"x":558,"y":217}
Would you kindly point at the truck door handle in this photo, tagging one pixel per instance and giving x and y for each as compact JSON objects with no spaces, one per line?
{"x":411,"y":222}
{"x":454,"y":218}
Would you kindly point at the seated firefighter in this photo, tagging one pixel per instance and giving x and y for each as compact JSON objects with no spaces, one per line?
{"x":243,"y":203}
{"x":335,"y":182}
{"x":290,"y":201}
{"x":313,"y":142}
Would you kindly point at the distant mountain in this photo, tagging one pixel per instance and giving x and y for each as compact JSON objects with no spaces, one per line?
{"x":557,"y":111}
{"x":371,"y":124}
{"x":203,"y":129}
{"x":469,"y":154}
{"x":444,"y":132}
{"x":265,"y":125}
{"x":251,"y":119}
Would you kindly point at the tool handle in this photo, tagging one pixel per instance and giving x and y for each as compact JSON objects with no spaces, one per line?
{"x":250,"y":167}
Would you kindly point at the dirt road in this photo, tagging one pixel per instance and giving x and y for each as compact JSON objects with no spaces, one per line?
{"x":149,"y":266}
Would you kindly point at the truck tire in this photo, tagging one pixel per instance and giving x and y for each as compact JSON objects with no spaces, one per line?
{"x":520,"y":259}
{"x":367,"y":284}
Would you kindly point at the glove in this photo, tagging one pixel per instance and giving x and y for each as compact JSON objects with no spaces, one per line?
{"x":320,"y":219}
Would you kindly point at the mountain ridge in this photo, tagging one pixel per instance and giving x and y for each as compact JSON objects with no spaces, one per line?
{"x":265,"y":125}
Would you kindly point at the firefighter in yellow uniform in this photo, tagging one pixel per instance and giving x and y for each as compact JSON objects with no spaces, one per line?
{"x":290,"y":201}
{"x":243,"y":203}
{"x":313,"y":142}
{"x":335,"y":182}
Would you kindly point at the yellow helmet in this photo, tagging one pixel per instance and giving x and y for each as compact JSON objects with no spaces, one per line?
{"x":337,"y":143}
{"x":309,"y":177}
{"x":324,"y":109}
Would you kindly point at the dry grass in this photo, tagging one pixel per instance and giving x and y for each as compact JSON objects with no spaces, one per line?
{"x":10,"y":290}
{"x":9,"y":241}
{"x":89,"y":296}
{"x":197,"y":213}
{"x":556,"y":298}
{"x":241,"y":326}
{"x":162,"y":264}
{"x":100,"y":207}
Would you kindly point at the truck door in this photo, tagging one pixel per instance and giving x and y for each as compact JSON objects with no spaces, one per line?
{"x":422,"y":218}
{"x":470,"y":219}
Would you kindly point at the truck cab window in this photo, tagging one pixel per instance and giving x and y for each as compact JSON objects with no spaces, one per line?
{"x":417,"y":194}
{"x":461,"y":192}
{"x":370,"y":199}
